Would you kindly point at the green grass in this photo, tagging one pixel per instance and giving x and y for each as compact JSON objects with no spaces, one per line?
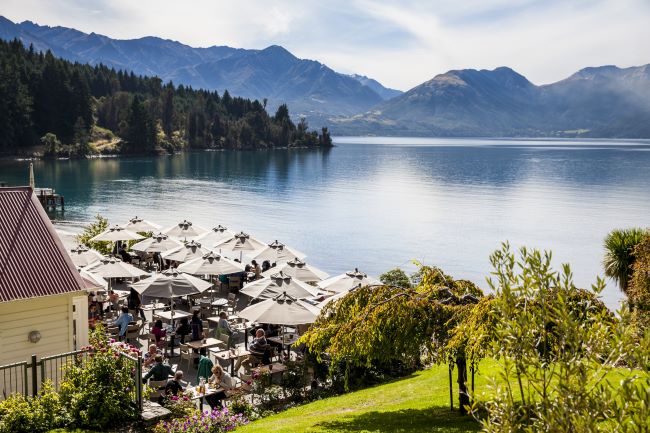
{"x":418,"y":403}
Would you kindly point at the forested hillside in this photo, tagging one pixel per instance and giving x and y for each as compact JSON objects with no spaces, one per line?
{"x":69,"y":107}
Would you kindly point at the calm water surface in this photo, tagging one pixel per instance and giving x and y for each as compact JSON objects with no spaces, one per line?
{"x":377,"y":203}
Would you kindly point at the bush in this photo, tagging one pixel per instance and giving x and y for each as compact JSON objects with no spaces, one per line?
{"x":19,"y":414}
{"x":97,"y":391}
{"x":216,"y":421}
{"x":181,"y":406}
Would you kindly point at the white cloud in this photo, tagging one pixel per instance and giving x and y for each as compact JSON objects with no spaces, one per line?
{"x":400,"y":43}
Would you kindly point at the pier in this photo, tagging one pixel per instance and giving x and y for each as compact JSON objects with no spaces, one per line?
{"x":49,"y":199}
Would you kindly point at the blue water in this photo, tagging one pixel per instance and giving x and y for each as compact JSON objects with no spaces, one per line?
{"x":376,"y":203}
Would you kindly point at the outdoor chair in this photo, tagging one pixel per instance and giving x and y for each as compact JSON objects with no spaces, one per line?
{"x":234,"y":283}
{"x":158,"y":389}
{"x":187,"y":354}
{"x":132,"y":333}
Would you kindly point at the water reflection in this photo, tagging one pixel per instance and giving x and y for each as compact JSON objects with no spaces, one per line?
{"x":375,"y":203}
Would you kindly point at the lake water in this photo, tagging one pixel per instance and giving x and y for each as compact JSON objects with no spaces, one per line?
{"x":376,"y":203}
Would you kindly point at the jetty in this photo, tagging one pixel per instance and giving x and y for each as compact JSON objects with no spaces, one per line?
{"x":49,"y":199}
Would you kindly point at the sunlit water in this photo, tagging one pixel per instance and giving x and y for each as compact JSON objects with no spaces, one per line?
{"x":376,"y":203}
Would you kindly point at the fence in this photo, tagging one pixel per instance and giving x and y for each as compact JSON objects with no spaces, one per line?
{"x":24,"y":377}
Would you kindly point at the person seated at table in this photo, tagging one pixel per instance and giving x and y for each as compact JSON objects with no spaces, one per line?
{"x":159,"y":371}
{"x":113,"y":299}
{"x":196,"y":325}
{"x":150,"y":356}
{"x":126,"y":257}
{"x":219,"y":379}
{"x":223,"y":327}
{"x":159,"y":333}
{"x":259,"y":352}
{"x":93,"y":316}
{"x":123,"y":321}
{"x":183,"y":329}
{"x":174,"y":386}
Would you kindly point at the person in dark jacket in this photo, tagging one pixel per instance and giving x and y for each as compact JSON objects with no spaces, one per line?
{"x":174,"y":386}
{"x":196,"y":325}
{"x":159,"y":371}
{"x":183,"y":329}
{"x":135,"y":304}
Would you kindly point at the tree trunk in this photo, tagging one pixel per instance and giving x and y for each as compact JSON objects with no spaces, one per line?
{"x":463,"y":395}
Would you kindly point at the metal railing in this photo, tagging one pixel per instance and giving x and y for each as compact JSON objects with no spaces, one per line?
{"x":26,"y":376}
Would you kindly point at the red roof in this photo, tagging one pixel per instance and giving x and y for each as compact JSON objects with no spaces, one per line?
{"x":33,"y":261}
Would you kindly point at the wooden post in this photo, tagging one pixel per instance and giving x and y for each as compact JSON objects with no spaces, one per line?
{"x":451,"y":390}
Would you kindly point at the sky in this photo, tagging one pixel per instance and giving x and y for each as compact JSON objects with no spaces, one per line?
{"x":399,"y":43}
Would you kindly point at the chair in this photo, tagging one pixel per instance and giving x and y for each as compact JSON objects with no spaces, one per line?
{"x":234,"y":283}
{"x":225,"y":338}
{"x":231,"y":307}
{"x":187,"y":354}
{"x":158,"y":389}
{"x":132,"y":333}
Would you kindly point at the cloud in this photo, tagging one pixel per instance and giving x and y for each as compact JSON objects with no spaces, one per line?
{"x":400,"y":43}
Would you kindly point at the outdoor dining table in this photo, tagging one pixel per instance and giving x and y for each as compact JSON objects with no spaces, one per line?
{"x":285,"y":341}
{"x":209,"y":390}
{"x":168,"y":317}
{"x":273,"y":369}
{"x":231,"y":355}
{"x":206,"y":343}
{"x":237,"y":326}
{"x":218,"y":302}
{"x":153,"y":307}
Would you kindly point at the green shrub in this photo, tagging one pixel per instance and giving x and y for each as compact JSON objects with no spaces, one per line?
{"x":32,"y":415}
{"x":97,"y":391}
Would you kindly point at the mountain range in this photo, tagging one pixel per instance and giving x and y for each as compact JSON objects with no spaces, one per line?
{"x":604,"y":101}
{"x":308,"y":87}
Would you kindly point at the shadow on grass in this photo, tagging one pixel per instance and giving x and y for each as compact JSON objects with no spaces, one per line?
{"x":432,"y":419}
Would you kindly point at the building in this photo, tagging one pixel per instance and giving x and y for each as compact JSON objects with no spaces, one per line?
{"x":43,"y":299}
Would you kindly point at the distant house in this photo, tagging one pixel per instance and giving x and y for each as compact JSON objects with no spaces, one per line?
{"x":43,"y":299}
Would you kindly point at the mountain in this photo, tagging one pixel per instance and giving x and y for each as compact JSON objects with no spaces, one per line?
{"x":384,"y":92}
{"x":309,"y":88}
{"x":603,"y":101}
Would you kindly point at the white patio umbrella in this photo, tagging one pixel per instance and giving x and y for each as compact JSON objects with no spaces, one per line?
{"x":277,"y":252}
{"x":170,"y":284}
{"x":276,"y":284}
{"x":281,"y":310}
{"x":116,"y":233}
{"x":240,"y":242}
{"x":139,"y":225}
{"x":158,"y":243}
{"x":184,"y":253}
{"x":93,"y":278}
{"x":112,"y":267}
{"x":348,"y":281}
{"x":299,"y":270}
{"x":211,"y":264}
{"x":185,"y":230}
{"x":83,"y":256}
{"x":215,"y":235}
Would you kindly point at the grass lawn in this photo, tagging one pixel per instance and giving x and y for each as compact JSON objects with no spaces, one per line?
{"x":418,"y":403}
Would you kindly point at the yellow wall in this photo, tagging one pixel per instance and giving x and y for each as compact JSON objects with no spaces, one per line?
{"x":50,"y":315}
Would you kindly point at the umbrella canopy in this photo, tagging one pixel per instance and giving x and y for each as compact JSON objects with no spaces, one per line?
{"x":215,"y":235}
{"x":158,"y":243}
{"x":211,"y":264}
{"x":185,"y":229}
{"x":240,"y":242}
{"x":169,"y":284}
{"x":136,"y":224}
{"x":83,"y":256}
{"x":276,"y":284}
{"x":190,"y":251}
{"x":111,"y":267}
{"x":116,"y":233}
{"x":348,"y":281}
{"x":299,"y":270}
{"x":93,"y":278}
{"x":277,"y":252}
{"x":281,"y":310}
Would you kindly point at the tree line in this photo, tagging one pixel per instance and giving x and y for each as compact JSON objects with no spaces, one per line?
{"x":51,"y":101}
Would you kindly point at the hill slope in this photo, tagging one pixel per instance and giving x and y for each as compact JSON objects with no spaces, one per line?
{"x":309,"y":87}
{"x":419,"y":403}
{"x":597,"y":102}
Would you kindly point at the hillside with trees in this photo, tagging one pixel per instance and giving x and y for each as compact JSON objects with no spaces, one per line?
{"x":74,"y":109}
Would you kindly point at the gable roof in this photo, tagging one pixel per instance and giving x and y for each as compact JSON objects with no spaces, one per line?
{"x":33,"y":260}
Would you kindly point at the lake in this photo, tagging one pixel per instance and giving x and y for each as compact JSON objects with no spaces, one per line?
{"x":376,"y":203}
